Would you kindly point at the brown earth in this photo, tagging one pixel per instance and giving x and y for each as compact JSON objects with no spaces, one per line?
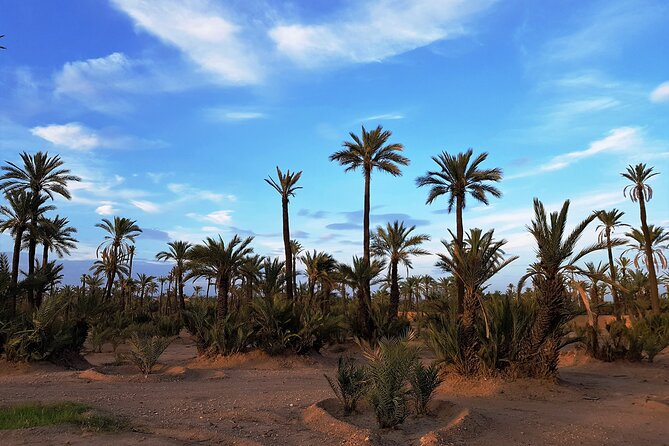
{"x":254,"y":399}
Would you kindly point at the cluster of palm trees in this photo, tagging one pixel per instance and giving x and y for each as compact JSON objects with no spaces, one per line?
{"x":471,"y":257}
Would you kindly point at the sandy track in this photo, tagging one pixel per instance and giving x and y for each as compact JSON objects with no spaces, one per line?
{"x":256,"y":400}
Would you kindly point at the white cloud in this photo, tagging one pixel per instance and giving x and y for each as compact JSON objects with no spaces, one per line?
{"x":187,"y":192}
{"x":622,"y":139}
{"x":72,"y":135}
{"x":217,"y":114}
{"x":384,"y":117}
{"x":202,"y":32}
{"x":106,"y":209}
{"x":373,"y":31}
{"x":661,"y":93}
{"x":221,"y":217}
{"x":146,"y":206}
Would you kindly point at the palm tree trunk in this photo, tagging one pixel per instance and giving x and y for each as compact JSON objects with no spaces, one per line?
{"x":650,"y":265}
{"x":460,"y":234}
{"x":394,"y":292}
{"x":32,"y":247}
{"x":45,"y":260}
{"x":16,"y":257}
{"x":294,"y":273}
{"x":223,"y":285}
{"x":182,"y":301}
{"x":614,"y":277}
{"x":287,"y":250}
{"x":365,"y":306}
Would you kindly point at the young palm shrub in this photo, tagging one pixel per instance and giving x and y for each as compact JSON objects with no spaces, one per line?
{"x":390,"y":365}
{"x":424,"y":381}
{"x":146,"y":351}
{"x":349,"y":384}
{"x":474,"y":263}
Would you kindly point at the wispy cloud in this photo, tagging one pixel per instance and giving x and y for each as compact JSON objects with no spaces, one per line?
{"x":146,"y":206}
{"x":622,"y":139}
{"x":203,"y":32}
{"x":218,"y":114}
{"x":373,"y":31}
{"x":384,"y":117}
{"x":106,"y":208}
{"x":221,"y":217}
{"x":660,"y":93}
{"x":76,"y":136}
{"x":188,"y":192}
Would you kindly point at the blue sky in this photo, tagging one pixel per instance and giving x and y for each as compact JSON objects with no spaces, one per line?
{"x":173,"y":112}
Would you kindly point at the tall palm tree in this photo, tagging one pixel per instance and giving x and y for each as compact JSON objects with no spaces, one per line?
{"x":221,"y":260}
{"x":177,"y":252}
{"x":370,"y":151}
{"x":610,"y":220}
{"x":457,"y":177}
{"x":475,"y":263}
{"x":39,"y":175}
{"x":641,"y":192}
{"x":397,"y":244}
{"x":555,"y":258}
{"x":121,"y":233}
{"x":659,"y":241}
{"x":295,"y":249}
{"x":16,"y":219}
{"x":286,"y":185}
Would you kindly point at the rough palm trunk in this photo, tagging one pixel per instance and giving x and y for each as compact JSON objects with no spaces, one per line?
{"x":222,"y":285}
{"x":614,"y":277}
{"x":180,"y":279}
{"x":460,"y":234}
{"x":294,"y":273}
{"x":467,"y":333}
{"x":287,"y":249}
{"x":650,"y":265}
{"x":16,"y":257}
{"x":365,"y":306}
{"x":32,"y":247}
{"x":394,"y":293}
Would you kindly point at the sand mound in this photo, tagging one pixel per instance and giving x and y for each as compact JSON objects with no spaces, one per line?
{"x":445,"y":421}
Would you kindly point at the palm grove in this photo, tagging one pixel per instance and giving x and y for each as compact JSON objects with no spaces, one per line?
{"x":266,"y":303}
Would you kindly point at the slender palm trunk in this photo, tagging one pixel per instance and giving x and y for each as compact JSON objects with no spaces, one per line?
{"x":460,"y":234}
{"x":366,"y":304}
{"x":650,"y":265}
{"x":16,"y":257}
{"x":394,"y":292}
{"x":180,"y":279}
{"x":45,"y":260}
{"x":614,"y":276}
{"x":294,"y":273}
{"x":287,"y":250}
{"x":160,"y":305}
{"x":32,"y":247}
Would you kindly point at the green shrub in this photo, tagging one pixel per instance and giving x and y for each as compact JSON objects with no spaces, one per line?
{"x":424,"y":381}
{"x":233,"y":334}
{"x":145,"y":351}
{"x":390,"y":365}
{"x":349,"y":385}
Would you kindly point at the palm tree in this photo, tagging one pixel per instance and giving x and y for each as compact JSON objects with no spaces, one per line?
{"x":479,"y":259}
{"x":368,"y":152}
{"x":17,"y":213}
{"x":457,"y":177}
{"x":144,"y":281}
{"x":658,"y":243}
{"x":319,"y":269}
{"x":250,"y":271}
{"x":358,"y":276}
{"x":221,"y":260}
{"x":412,"y":289}
{"x":272,"y":276}
{"x":295,"y":249}
{"x":555,"y":257}
{"x":177,"y":252}
{"x":610,"y":220}
{"x":639,"y":191}
{"x":40,"y":174}
{"x":108,"y":266}
{"x":197,"y":289}
{"x":121,"y":233}
{"x":396,"y":242}
{"x":286,"y":187}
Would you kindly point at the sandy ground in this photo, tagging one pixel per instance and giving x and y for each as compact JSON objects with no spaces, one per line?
{"x":257,"y":400}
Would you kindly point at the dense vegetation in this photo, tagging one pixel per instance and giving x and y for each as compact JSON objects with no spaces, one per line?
{"x":269,"y":304}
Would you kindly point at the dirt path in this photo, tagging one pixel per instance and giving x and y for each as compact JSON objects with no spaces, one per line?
{"x":256,"y":400}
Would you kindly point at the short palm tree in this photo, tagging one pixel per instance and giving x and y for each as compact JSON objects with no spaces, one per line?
{"x":370,"y":151}
{"x":40,"y":174}
{"x":610,"y":221}
{"x":144,"y":281}
{"x":273,"y":271}
{"x":555,"y":258}
{"x":216,"y":258}
{"x":397,"y":243}
{"x":458,"y":176}
{"x":121,"y":233}
{"x":178,"y":253}
{"x":358,"y":275}
{"x":251,"y":271}
{"x":319,"y":267}
{"x":295,"y":249}
{"x":641,"y":192}
{"x":659,"y":241}
{"x":286,"y":185}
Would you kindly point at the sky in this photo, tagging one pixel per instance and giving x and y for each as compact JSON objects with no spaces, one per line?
{"x":174,"y":112}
